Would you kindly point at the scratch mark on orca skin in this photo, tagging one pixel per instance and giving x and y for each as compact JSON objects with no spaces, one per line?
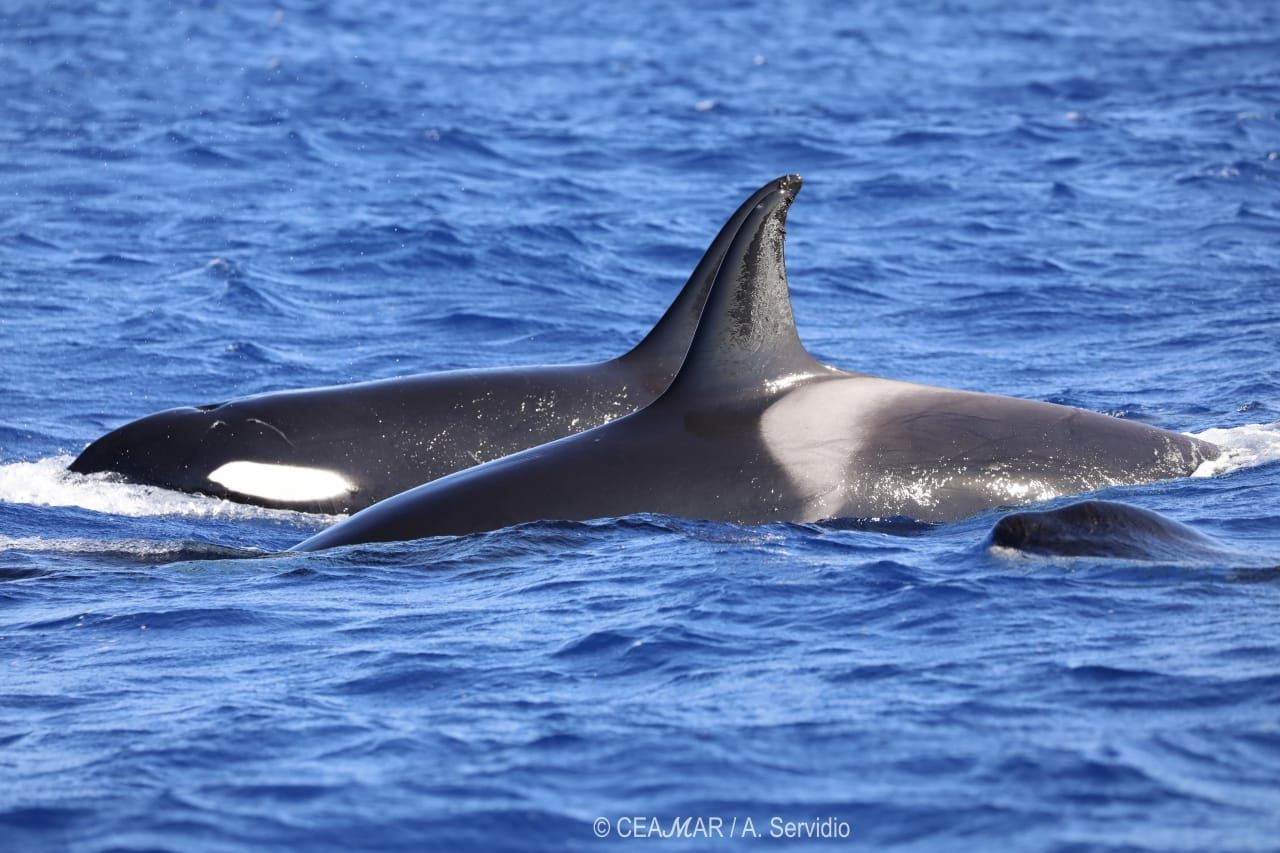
{"x":273,"y":428}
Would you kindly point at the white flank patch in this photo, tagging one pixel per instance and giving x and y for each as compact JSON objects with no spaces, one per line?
{"x":281,"y":482}
{"x":812,"y":433}
{"x":1242,"y":447}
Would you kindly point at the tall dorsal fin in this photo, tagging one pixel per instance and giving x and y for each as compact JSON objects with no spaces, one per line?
{"x":746,"y":339}
{"x":668,"y":341}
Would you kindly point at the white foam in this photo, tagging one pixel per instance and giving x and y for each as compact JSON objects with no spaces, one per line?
{"x":1242,"y":446}
{"x":154,"y":549}
{"x":47,"y":482}
{"x":281,"y":482}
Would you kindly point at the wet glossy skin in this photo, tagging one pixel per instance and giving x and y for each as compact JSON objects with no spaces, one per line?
{"x":377,"y":439}
{"x":381,"y":437}
{"x":1103,"y":529}
{"x":753,"y":429}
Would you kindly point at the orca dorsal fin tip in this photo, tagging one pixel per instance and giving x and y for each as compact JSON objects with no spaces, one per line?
{"x":746,"y":339}
{"x":668,"y":341}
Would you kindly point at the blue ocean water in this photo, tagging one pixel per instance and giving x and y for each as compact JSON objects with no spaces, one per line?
{"x":1076,"y":202}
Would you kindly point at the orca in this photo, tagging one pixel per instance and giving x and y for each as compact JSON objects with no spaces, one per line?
{"x":1098,"y":528}
{"x":753,"y":429}
{"x":342,"y":448}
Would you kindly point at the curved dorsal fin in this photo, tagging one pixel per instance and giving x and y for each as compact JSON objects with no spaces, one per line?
{"x":746,"y":339}
{"x":668,"y":341}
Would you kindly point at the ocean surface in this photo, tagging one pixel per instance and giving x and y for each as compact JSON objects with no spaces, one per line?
{"x":1067,"y":201}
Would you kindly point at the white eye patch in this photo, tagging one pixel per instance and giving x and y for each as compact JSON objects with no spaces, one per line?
{"x":281,"y":482}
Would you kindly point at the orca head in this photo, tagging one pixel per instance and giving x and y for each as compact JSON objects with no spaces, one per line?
{"x":217,"y":450}
{"x":1101,"y":528}
{"x":158,"y":449}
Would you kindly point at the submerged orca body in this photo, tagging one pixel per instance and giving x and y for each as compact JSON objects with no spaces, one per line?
{"x":1103,"y":529}
{"x":345,"y":447}
{"x":753,"y":429}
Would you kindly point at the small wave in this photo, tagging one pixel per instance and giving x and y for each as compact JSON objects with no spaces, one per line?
{"x":1243,"y":447}
{"x":47,"y":482}
{"x":160,"y":551}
